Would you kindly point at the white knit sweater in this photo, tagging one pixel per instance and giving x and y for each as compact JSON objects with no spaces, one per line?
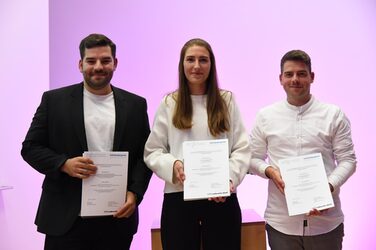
{"x":164,"y":145}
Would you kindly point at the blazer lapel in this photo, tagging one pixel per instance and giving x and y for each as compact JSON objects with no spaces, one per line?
{"x":77,"y":111}
{"x":121,"y":113}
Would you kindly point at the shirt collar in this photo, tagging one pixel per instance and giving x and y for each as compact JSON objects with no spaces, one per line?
{"x":303,"y":108}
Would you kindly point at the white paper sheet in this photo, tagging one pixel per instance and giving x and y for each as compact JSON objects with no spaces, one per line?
{"x":306,"y":184}
{"x":104,"y":192}
{"x":206,"y":167}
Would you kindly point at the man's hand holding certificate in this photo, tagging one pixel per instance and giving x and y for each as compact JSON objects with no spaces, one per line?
{"x":104,"y":193}
{"x":206,"y":168}
{"x":306,"y":184}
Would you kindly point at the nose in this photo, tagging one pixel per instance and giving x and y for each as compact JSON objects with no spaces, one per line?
{"x":197,"y":64}
{"x":98,"y":65}
{"x":294,"y":78}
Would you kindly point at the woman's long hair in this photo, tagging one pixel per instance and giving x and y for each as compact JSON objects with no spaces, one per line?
{"x":218,"y":114}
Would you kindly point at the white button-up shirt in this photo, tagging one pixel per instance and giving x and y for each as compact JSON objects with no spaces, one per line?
{"x":282,"y":130}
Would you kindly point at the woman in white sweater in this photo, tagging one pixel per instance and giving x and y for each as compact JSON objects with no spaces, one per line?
{"x":198,"y":110}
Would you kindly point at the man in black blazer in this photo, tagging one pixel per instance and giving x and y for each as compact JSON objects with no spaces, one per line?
{"x":89,"y":116}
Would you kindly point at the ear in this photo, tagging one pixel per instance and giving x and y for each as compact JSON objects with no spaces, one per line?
{"x":313,"y":76}
{"x":80,"y":67}
{"x":280,"y":78}
{"x":115,"y":63}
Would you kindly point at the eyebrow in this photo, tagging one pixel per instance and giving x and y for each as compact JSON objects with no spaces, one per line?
{"x":198,"y":57}
{"x":300,"y":71}
{"x":100,"y":58}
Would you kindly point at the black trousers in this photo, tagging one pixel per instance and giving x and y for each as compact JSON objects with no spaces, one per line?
{"x":99,"y":233}
{"x":184,"y":224}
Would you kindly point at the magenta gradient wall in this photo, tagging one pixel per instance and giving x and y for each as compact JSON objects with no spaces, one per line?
{"x":248,"y":38}
{"x":24,"y":71}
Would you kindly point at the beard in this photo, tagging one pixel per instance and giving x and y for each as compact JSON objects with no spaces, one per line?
{"x":99,"y":79}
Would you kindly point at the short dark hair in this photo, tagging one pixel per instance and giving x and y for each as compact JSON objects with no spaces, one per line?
{"x":296,"y":55}
{"x":96,"y":40}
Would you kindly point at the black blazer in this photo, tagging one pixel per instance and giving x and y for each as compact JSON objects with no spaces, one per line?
{"x":57,"y":133}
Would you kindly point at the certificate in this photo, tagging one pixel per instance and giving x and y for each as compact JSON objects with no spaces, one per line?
{"x":104,"y":193}
{"x":206,"y":168}
{"x":306,"y":184}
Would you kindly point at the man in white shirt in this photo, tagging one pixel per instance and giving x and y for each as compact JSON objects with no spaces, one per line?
{"x":298,"y":126}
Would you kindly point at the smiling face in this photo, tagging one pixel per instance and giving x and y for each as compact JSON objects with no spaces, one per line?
{"x":197,"y":68}
{"x":296,"y":80}
{"x":97,"y":67}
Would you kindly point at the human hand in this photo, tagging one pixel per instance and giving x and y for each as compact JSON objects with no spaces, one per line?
{"x":79,"y":167}
{"x":221,"y":198}
{"x":331,"y":188}
{"x":315,"y":212}
{"x":178,"y":175}
{"x":275,"y":175}
{"x":127,"y":209}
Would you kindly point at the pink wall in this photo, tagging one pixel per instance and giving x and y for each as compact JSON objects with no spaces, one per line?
{"x":24,"y":70}
{"x":248,"y":38}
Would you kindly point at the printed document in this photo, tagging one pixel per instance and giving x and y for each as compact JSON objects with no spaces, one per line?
{"x":306,"y":184}
{"x":206,"y":168}
{"x":104,"y":193}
